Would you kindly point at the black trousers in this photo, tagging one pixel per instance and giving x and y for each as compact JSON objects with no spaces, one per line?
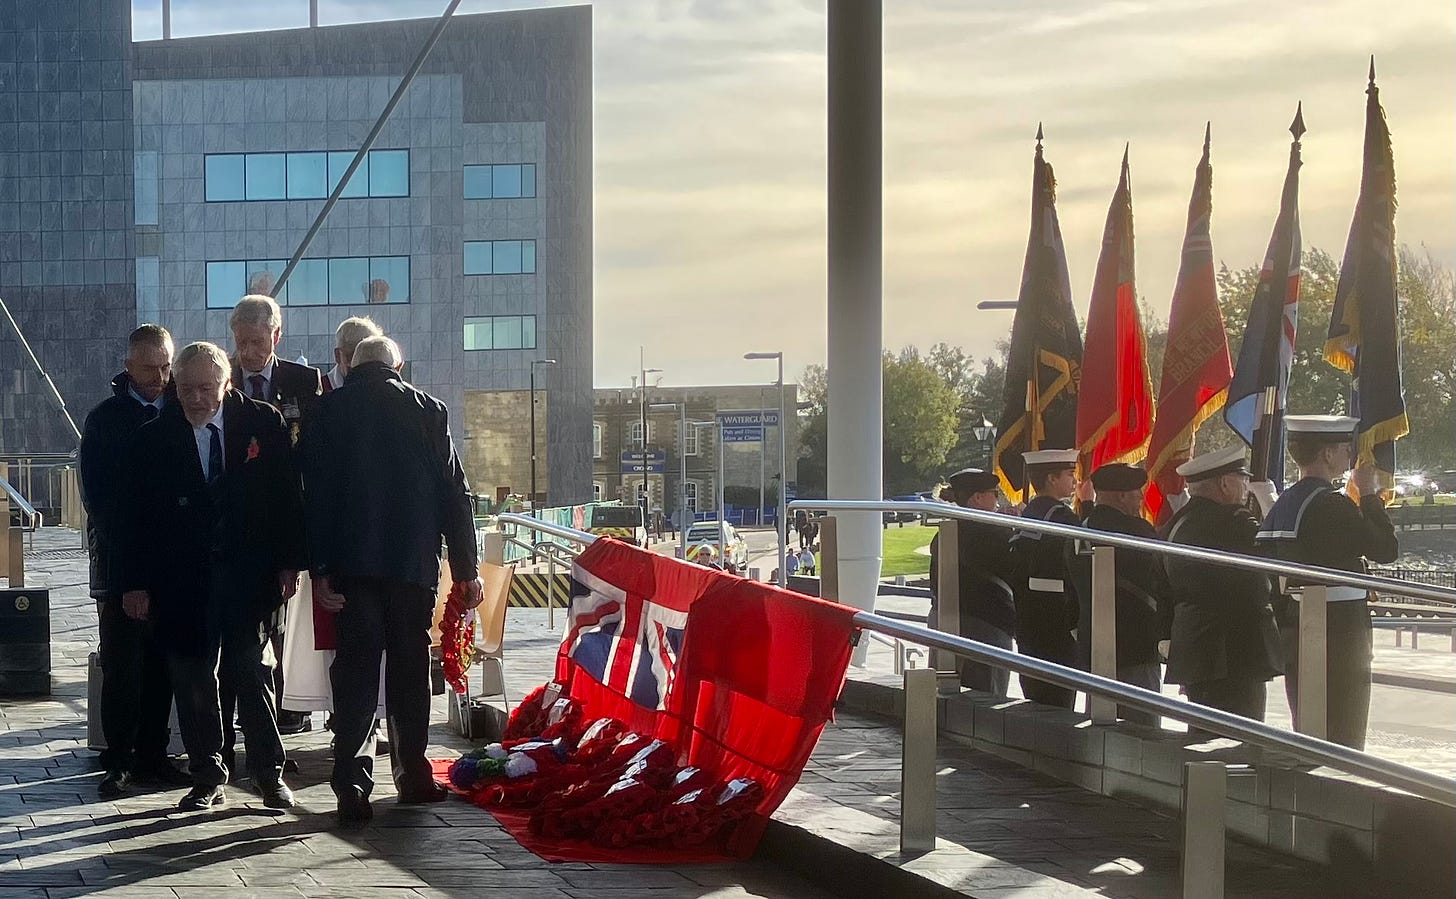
{"x":136,"y":691}
{"x":381,"y":615}
{"x":1243,"y":696}
{"x":1347,"y":670}
{"x":198,"y":714}
{"x":245,"y":674}
{"x":975,"y":675}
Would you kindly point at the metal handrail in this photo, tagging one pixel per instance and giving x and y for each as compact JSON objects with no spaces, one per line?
{"x":1305,"y":748}
{"x":26,"y":509}
{"x":1311,"y":573}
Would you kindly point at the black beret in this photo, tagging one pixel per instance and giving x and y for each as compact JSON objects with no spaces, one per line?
{"x":1119,"y":476}
{"x":974,"y":480}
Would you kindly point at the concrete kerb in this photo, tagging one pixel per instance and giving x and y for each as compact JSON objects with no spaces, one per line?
{"x":1317,"y":815}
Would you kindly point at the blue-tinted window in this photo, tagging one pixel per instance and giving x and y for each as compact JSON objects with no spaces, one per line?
{"x":528,"y":180}
{"x":145,"y":181}
{"x":477,"y":257}
{"x":338,"y":164}
{"x":500,"y":332}
{"x":223,"y":175}
{"x":267,"y":176}
{"x":528,"y":256}
{"x":500,"y":257}
{"x":477,"y":182}
{"x":389,"y":279}
{"x":505,"y":181}
{"x":389,"y":173}
{"x":348,"y":281}
{"x":225,"y":282}
{"x":262,"y":275}
{"x":309,"y":283}
{"x":506,"y":257}
{"x":308,"y":176}
{"x":500,"y":182}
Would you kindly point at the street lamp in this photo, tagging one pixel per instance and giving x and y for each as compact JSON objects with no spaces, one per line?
{"x":534,"y":363}
{"x":682,"y":461}
{"x":780,"y":525}
{"x":985,"y":432}
{"x":642,"y":397}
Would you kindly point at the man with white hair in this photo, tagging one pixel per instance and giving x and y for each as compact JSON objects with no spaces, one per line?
{"x":379,"y":456}
{"x":212,"y":519}
{"x":346,"y":340}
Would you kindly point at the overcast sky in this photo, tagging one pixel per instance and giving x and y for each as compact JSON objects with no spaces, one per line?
{"x":710,"y":150}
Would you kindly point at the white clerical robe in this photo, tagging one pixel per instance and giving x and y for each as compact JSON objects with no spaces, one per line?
{"x":306,"y":685}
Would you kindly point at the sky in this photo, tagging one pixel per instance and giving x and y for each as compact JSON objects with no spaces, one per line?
{"x":710,"y":155}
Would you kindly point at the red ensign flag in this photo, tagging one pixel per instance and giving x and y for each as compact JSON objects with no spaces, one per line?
{"x":1196,"y":367}
{"x":1115,"y":407}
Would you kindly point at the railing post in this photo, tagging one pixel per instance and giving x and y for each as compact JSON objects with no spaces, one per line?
{"x":829,"y":558}
{"x":551,"y":588}
{"x":917,"y":762}
{"x":17,"y":557}
{"x":1311,"y":717}
{"x":5,"y":518}
{"x":1104,"y":630}
{"x":947,"y":603}
{"x":1205,"y":787}
{"x":493,"y":548}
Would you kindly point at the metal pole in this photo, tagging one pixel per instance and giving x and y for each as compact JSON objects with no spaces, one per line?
{"x":947,"y":594}
{"x":1310,"y":716}
{"x":682,"y":475}
{"x":781,"y":524}
{"x":551,"y":590}
{"x":313,"y":13}
{"x":855,"y":251}
{"x":917,"y":762}
{"x":722,"y":513}
{"x":642,"y":396}
{"x":404,"y":83}
{"x":1205,"y":789}
{"x":762,"y":441}
{"x":1104,"y":630}
{"x":533,"y":440}
{"x":166,"y":20}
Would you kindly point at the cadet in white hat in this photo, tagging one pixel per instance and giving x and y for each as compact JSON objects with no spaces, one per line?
{"x":1223,"y":641}
{"x":1315,"y":524}
{"x":1046,"y":610}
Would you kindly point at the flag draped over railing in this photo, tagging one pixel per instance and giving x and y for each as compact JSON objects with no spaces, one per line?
{"x":1364,"y":337}
{"x":1256,"y":397}
{"x":1196,"y":367}
{"x":1115,"y":402}
{"x":1044,"y":367}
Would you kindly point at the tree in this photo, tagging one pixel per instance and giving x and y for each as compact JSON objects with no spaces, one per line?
{"x":920,"y":421}
{"x":1428,"y":350}
{"x":814,"y":433}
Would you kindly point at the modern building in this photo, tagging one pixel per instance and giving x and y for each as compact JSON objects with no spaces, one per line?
{"x":161,"y":180}
{"x":750,"y":453}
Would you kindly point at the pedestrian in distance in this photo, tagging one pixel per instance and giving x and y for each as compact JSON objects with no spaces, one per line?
{"x":1046,"y":610}
{"x":379,"y":455}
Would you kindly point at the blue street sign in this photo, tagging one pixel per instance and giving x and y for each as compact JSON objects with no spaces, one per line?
{"x":747,"y":427}
{"x":632,"y":462}
{"x":743,"y":434}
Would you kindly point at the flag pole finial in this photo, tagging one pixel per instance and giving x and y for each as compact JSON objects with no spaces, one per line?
{"x":1372,"y":69}
{"x":1038,"y":135}
{"x":1207,"y":135}
{"x":1296,"y":127}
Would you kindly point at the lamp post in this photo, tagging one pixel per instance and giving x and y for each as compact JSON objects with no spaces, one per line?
{"x":762,"y":441}
{"x":534,"y":363}
{"x":985,"y":432}
{"x":642,"y":385}
{"x":779,"y":523}
{"x":682,"y":461}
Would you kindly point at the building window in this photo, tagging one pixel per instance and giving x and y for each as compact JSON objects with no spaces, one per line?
{"x":500,"y":332}
{"x":690,"y":441}
{"x":634,"y":434}
{"x":598,"y":488}
{"x":145,"y":181}
{"x":596,"y":440}
{"x":148,"y":288}
{"x":346,"y":281}
{"x":690,"y":496}
{"x":500,"y":257}
{"x":500,"y":182}
{"x":230,"y":177}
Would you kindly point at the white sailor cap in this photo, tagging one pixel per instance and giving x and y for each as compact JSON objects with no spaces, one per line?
{"x":1210,"y":465}
{"x":1051,"y":457}
{"x":1322,"y":427}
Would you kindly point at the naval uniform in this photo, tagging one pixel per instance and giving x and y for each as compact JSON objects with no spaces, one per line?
{"x":1046,"y":611}
{"x":1314,"y":524}
{"x":1224,"y":642}
{"x":987,"y":603}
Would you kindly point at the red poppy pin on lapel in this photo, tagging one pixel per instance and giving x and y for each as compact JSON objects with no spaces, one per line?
{"x":253,"y":450}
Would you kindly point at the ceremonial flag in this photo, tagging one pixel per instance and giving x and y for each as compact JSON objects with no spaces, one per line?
{"x":1044,"y":368}
{"x":1364,"y":337}
{"x":1256,"y":397}
{"x":1115,"y":403}
{"x":1196,"y":368}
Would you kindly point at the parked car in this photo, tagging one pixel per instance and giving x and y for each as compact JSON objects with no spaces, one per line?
{"x":891,"y":517}
{"x":622,"y":522}
{"x":735,"y":548}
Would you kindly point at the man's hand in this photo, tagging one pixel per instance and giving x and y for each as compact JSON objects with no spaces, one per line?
{"x":1263,"y":493}
{"x":136,"y":604}
{"x":1366,"y":479}
{"x":473,"y":592}
{"x":324,"y":596}
{"x":287,"y":584}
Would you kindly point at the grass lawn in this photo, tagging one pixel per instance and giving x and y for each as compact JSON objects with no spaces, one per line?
{"x":901,"y":544}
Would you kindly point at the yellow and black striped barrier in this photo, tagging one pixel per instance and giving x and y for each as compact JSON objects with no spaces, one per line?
{"x":530,"y":590}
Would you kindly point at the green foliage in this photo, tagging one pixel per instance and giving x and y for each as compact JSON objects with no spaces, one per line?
{"x":920,"y":421}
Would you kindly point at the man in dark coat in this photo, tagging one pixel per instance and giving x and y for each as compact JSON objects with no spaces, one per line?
{"x":292,"y":389}
{"x":1224,"y":645}
{"x":379,"y":456}
{"x":1046,"y":610}
{"x":136,"y":692}
{"x":1312,"y":523}
{"x":987,"y":605}
{"x":1142,"y":589}
{"x":213,"y":521}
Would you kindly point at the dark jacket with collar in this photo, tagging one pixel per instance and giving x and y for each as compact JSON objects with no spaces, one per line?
{"x":384,"y":484}
{"x":1143,"y":607}
{"x":178,"y":533}
{"x":1044,"y":619}
{"x":294,"y":391}
{"x":105,"y":436}
{"x":986,"y":575}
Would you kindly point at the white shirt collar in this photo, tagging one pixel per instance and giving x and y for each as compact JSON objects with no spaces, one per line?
{"x":204,"y":439}
{"x":155,"y":404}
{"x":267,"y":372}
{"x":336,"y":377}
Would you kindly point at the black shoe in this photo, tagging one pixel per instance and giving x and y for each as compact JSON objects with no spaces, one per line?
{"x":423,"y":795}
{"x":200,"y":799}
{"x":275,"y":793}
{"x":354,"y":809}
{"x":290,"y":723}
{"x":382,"y":747}
{"x":290,"y":766}
{"x":162,"y":773}
{"x":115,"y":783}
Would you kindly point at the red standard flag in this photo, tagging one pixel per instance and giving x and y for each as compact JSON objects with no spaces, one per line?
{"x":1196,"y":367}
{"x":1115,"y":406}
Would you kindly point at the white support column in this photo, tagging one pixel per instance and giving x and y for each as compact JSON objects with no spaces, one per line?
{"x":829,"y":560}
{"x":855,"y":286}
{"x":1104,"y":630}
{"x":1205,"y":787}
{"x":1311,"y":717}
{"x":917,"y":763}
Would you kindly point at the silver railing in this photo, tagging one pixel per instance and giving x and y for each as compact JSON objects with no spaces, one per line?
{"x":1204,"y":782}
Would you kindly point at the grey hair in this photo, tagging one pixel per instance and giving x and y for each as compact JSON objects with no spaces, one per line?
{"x":353,"y":330}
{"x":212,"y":351}
{"x":377,"y":349}
{"x":150,"y":335}
{"x":256,"y":309}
